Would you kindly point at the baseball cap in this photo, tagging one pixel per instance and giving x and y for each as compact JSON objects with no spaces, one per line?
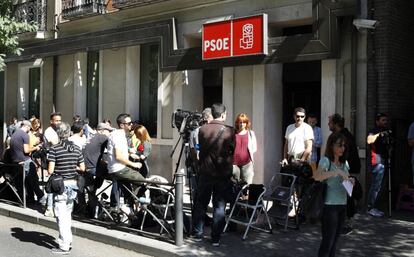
{"x":102,"y":126}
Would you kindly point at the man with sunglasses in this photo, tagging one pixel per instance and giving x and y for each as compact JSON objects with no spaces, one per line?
{"x":298,"y":139}
{"x":119,"y":165}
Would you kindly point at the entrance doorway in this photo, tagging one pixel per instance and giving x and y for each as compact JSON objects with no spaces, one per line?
{"x":212,"y":86}
{"x":301,"y":88}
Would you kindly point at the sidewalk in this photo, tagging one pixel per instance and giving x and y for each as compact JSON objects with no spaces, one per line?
{"x":372,"y":237}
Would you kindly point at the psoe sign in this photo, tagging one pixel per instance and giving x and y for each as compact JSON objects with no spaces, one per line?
{"x":238,"y":37}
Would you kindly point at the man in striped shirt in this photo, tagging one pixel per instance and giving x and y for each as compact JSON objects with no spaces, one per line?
{"x":65,"y":159}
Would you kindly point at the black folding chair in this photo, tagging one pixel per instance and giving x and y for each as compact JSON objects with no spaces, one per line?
{"x":282,"y":194}
{"x":14,"y":179}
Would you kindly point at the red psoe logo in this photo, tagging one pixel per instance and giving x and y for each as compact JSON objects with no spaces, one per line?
{"x":217,"y":40}
{"x":239,"y":37}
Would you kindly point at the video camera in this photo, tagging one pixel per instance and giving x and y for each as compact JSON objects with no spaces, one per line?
{"x":386,"y":137}
{"x":186,"y":121}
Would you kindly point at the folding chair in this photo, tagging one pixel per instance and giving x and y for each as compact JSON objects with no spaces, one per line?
{"x":11,"y":174}
{"x":281,"y":192}
{"x":162,"y":203}
{"x":245,"y":212}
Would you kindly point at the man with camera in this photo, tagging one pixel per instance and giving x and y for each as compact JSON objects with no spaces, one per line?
{"x":378,"y":140}
{"x":216,"y":141}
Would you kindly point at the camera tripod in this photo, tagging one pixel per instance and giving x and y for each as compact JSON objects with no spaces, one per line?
{"x":189,"y":165}
{"x":388,"y":170}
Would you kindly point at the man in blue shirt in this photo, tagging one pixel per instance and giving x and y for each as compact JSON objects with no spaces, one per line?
{"x":317,"y":140}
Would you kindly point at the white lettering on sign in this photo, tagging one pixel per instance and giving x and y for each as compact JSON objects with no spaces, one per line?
{"x":246,"y":42}
{"x":216,"y":44}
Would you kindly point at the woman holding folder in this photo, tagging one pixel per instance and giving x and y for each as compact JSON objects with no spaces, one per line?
{"x":333,"y":170}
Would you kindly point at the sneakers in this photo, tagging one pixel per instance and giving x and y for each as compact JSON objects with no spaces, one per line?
{"x":375,"y":213}
{"x":49,"y":213}
{"x":346,"y":230}
{"x":43,"y":200}
{"x":197,"y":238}
{"x":215,"y":243}
{"x":60,"y":251}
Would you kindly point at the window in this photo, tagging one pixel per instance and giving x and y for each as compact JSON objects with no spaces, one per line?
{"x":149,"y":88}
{"x":34,"y":92}
{"x":92,"y":90}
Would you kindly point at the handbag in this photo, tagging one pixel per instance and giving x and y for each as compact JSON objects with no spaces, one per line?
{"x":316,"y":202}
{"x":55,"y":184}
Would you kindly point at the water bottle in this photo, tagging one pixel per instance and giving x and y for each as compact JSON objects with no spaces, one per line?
{"x":144,"y":200}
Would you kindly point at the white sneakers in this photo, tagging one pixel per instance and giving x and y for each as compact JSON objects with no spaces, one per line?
{"x":49,"y":213}
{"x":375,"y":213}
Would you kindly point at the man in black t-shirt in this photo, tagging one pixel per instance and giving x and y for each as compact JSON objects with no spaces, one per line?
{"x":19,"y":153}
{"x":94,"y":154}
{"x":377,"y":142}
{"x":96,"y":167}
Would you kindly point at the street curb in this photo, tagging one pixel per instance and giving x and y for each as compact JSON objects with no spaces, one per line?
{"x":101,"y":234}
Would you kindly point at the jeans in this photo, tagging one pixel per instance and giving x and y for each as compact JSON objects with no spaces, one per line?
{"x":333,"y":219}
{"x":221,"y":190}
{"x":377,"y":176}
{"x":32,"y":180}
{"x":63,"y":206}
{"x":244,"y":173}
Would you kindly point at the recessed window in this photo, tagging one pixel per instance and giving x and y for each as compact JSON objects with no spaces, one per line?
{"x":148,"y":92}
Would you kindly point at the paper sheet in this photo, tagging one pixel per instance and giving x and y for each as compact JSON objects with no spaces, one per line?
{"x":348,"y":186}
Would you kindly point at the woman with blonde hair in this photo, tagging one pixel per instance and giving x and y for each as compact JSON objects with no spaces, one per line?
{"x":143,"y":148}
{"x":35,"y":133}
{"x":246,"y":146}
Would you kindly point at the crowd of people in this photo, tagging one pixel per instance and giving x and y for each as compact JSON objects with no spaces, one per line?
{"x":223,"y":155}
{"x":81,"y":156}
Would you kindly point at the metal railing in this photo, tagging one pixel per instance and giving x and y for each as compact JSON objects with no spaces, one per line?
{"x":32,"y":11}
{"x":75,"y":9}
{"x":120,"y":4}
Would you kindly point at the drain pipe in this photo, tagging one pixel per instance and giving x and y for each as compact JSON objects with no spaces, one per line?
{"x":354,"y":71}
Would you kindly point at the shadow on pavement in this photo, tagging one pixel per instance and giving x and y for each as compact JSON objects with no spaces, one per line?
{"x":38,"y":238}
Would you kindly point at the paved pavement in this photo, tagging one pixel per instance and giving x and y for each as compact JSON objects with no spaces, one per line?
{"x":22,"y":239}
{"x":372,"y":237}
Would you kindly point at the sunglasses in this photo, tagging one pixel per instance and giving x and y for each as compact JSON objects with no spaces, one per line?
{"x":127,"y":123}
{"x":300,"y":116}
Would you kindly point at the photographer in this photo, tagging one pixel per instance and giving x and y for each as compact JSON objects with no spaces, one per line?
{"x":216,"y":165}
{"x":378,"y":140}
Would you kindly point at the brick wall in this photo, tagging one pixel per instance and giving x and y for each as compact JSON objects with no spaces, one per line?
{"x":390,"y":78}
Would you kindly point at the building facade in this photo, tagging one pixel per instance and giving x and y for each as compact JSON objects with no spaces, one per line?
{"x":99,"y":58}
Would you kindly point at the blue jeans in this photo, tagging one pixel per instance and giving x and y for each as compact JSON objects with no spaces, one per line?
{"x":377,"y":176}
{"x":221,"y":190}
{"x":333,"y":219}
{"x":63,"y":206}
